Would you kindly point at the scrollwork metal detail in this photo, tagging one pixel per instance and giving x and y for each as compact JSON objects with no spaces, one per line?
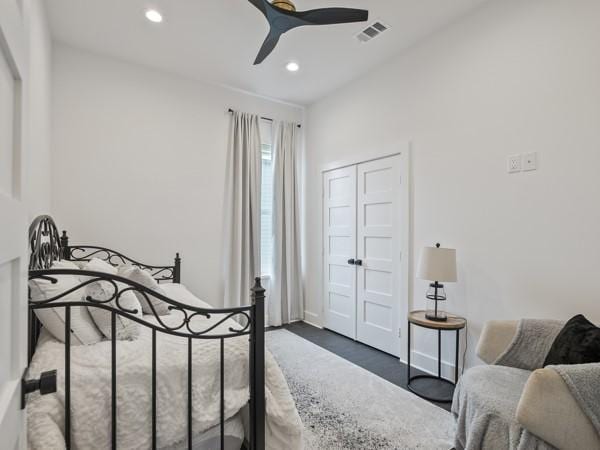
{"x":85,"y":253}
{"x":44,"y":242}
{"x":185,"y":322}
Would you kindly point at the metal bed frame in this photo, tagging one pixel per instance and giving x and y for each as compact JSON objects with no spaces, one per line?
{"x":47,"y":246}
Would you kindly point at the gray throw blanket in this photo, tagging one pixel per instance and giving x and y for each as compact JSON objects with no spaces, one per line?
{"x":531,"y":344}
{"x":584,"y":383}
{"x":486,"y":397}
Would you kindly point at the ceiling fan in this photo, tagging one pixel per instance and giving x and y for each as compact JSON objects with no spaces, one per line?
{"x":283,"y":17}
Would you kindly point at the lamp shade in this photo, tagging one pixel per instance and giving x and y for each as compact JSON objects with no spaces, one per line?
{"x":437,"y":264}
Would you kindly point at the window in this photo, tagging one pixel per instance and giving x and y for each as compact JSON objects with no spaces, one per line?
{"x":266,"y":207}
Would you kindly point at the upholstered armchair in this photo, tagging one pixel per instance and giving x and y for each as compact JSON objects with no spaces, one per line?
{"x":514,"y":403}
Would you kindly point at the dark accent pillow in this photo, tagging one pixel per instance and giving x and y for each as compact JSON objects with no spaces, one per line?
{"x":577,"y":343}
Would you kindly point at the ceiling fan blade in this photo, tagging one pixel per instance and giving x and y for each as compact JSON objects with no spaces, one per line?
{"x":281,"y":21}
{"x":268,"y":46}
{"x":332,"y":16}
{"x":261,"y":5}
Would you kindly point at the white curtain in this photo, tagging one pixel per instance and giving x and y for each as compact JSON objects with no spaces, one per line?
{"x":242,"y":209}
{"x":286,"y":302}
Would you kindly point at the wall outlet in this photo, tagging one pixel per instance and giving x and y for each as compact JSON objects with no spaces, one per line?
{"x":514,"y":164}
{"x":530,"y":161}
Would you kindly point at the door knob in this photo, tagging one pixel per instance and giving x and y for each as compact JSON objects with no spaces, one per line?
{"x":351,"y":261}
{"x":46,"y":384}
{"x":358,"y":262}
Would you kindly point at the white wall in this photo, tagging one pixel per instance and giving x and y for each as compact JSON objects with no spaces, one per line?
{"x":514,"y":76}
{"x":139,"y":161}
{"x":36,"y":190}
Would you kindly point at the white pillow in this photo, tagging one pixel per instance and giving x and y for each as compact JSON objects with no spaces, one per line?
{"x":83,"y":329}
{"x":103,"y":290}
{"x":80,"y":264}
{"x":65,"y":264}
{"x":181,"y":294}
{"x":98,"y":265}
{"x":145,"y":279}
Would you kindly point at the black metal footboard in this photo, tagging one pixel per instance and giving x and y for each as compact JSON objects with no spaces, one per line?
{"x":190,"y":325}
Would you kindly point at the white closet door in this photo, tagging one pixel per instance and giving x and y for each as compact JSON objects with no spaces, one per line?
{"x":13,"y":224}
{"x":339,"y":220}
{"x":378,"y":247}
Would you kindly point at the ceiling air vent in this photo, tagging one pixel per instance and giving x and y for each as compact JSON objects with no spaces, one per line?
{"x":372,"y":31}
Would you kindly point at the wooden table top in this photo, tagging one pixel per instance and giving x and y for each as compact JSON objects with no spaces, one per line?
{"x":453,"y":322}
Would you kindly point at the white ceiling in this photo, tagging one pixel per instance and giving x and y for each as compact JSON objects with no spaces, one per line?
{"x":217,"y":40}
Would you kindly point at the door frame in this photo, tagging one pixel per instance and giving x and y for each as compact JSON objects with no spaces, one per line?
{"x":14,"y":47}
{"x":402,"y":149}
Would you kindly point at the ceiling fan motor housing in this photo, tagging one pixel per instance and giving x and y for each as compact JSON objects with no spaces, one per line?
{"x":284,"y":4}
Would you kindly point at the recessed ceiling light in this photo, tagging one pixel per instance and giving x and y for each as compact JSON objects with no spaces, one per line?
{"x":154,"y":16}
{"x":292,"y":66}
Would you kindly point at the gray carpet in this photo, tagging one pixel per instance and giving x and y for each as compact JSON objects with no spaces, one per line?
{"x":344,"y":406}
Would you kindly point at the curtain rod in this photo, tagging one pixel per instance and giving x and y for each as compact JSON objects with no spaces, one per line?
{"x":230,"y":111}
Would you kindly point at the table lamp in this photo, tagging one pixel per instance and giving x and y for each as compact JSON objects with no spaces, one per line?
{"x":437,"y":265}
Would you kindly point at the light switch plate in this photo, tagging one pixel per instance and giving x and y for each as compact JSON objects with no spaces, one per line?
{"x":529,"y":161}
{"x":514,"y":163}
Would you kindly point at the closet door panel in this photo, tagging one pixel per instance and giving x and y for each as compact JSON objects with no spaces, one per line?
{"x":378,"y":246}
{"x":339,"y":221}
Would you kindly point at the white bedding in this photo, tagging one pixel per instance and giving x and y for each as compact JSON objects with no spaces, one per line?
{"x":211,"y":438}
{"x":91,"y":381}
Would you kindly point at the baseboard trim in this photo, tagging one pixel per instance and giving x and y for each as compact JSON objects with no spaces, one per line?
{"x":312,"y":319}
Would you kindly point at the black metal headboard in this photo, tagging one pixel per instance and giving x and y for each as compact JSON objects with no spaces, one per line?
{"x":47,"y":246}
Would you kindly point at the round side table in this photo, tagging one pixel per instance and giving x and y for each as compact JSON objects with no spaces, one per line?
{"x":454,"y":323}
